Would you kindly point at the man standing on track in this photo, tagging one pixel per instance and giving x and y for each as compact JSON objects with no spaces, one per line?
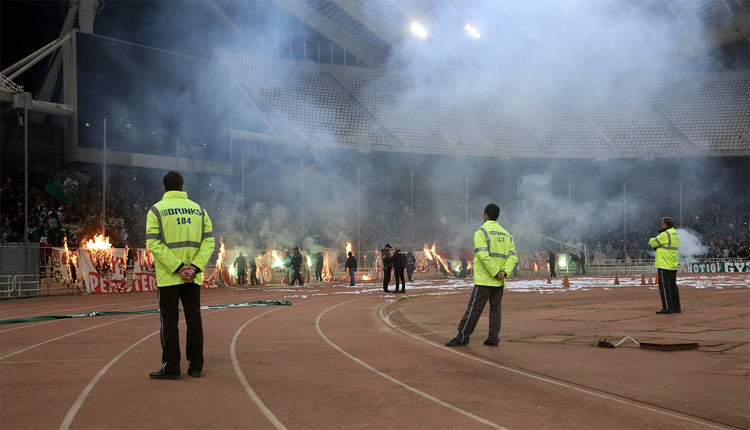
{"x":180,"y":236}
{"x":240,"y":265}
{"x":399,"y":264}
{"x":297,"y":260}
{"x":351,"y":266}
{"x":385,"y":254}
{"x":494,"y":258}
{"x":665,"y":245}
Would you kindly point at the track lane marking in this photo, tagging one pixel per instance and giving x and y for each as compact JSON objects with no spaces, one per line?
{"x":386,"y":318}
{"x":73,"y":411}
{"x":396,"y":381}
{"x":241,"y":376}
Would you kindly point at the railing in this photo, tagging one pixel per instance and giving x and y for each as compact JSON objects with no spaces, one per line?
{"x":9,"y":85}
{"x":14,"y":286}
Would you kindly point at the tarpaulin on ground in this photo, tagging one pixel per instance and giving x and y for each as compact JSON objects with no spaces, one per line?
{"x":150,"y":311}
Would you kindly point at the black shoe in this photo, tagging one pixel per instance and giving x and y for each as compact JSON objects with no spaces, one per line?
{"x":664,"y":311}
{"x":195,"y":373}
{"x":403,"y":291}
{"x":386,"y":291}
{"x":677,"y":312}
{"x":160,"y":374}
{"x":490,"y":342}
{"x":456,"y":342}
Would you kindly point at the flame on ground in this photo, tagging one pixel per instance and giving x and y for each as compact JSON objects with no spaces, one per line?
{"x":348,"y":248}
{"x":222,"y":254}
{"x":366,"y":277}
{"x":101,"y":251}
{"x":275,"y":260}
{"x":327,"y":275}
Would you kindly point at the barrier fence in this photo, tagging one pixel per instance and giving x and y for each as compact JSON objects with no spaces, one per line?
{"x":45,"y":283}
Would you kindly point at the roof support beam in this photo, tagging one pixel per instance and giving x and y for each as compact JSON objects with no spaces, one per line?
{"x":327,"y":28}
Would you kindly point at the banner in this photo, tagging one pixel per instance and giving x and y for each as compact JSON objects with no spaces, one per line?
{"x":60,"y":270}
{"x":538,"y":262}
{"x":144,"y":277}
{"x":67,"y":185}
{"x":108,"y":278}
{"x":719,"y":266}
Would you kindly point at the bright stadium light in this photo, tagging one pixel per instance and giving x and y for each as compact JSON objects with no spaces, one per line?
{"x":418,"y":30}
{"x":472,"y":31}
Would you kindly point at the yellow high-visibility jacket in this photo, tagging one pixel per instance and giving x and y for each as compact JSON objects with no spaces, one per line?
{"x":494,"y":251}
{"x":666,"y":244}
{"x":178,"y":232}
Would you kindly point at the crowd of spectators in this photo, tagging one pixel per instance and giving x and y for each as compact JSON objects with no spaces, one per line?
{"x":722,"y":227}
{"x":50,"y":220}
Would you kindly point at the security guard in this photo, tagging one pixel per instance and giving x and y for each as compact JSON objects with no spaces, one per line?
{"x":494,"y":259}
{"x":665,"y":245}
{"x":180,"y":236}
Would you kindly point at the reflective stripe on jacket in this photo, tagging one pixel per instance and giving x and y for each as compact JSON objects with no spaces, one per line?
{"x":178,"y":231}
{"x":494,"y":251}
{"x":666,"y":244}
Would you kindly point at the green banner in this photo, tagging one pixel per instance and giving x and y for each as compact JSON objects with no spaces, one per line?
{"x":150,"y":311}
{"x":67,"y":185}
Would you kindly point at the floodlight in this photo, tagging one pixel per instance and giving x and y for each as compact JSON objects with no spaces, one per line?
{"x":472,"y":31}
{"x":418,"y":29}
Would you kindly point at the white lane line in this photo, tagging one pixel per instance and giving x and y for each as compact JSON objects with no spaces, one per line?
{"x":396,"y":381}
{"x":66,"y":335}
{"x":253,"y":395}
{"x":82,"y":397}
{"x":68,"y":420}
{"x":386,"y":318}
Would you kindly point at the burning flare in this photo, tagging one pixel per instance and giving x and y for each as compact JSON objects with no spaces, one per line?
{"x":348,"y":248}
{"x":222,"y":254}
{"x":101,"y":251}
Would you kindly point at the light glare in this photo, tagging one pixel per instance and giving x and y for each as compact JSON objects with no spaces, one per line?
{"x":418,"y":30}
{"x":472,"y":31}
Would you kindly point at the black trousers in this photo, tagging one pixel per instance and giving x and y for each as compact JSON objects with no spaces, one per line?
{"x":319,"y":273}
{"x":399,"y":275}
{"x":169,"y":298}
{"x":670,"y":296}
{"x":242,"y":277}
{"x":297,"y":277}
{"x":478,"y":299}
{"x":386,"y":278}
{"x":254,"y":277}
{"x":410,"y":274}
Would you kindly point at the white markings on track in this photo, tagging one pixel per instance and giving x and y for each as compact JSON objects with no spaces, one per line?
{"x":82,"y":397}
{"x":66,"y":335}
{"x":233,"y":352}
{"x":396,"y":381}
{"x":386,"y":318}
{"x":87,"y":390}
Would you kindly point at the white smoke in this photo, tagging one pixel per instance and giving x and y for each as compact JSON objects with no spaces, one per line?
{"x":690,"y":243}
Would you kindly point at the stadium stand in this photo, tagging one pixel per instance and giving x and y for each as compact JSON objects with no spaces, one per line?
{"x":352,"y":106}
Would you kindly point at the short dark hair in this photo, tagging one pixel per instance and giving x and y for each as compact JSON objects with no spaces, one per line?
{"x":668,"y":221}
{"x":351,"y":254}
{"x":173,"y":181}
{"x":493,"y":211}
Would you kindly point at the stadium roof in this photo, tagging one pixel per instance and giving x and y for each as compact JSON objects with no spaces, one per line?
{"x":381,"y":25}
